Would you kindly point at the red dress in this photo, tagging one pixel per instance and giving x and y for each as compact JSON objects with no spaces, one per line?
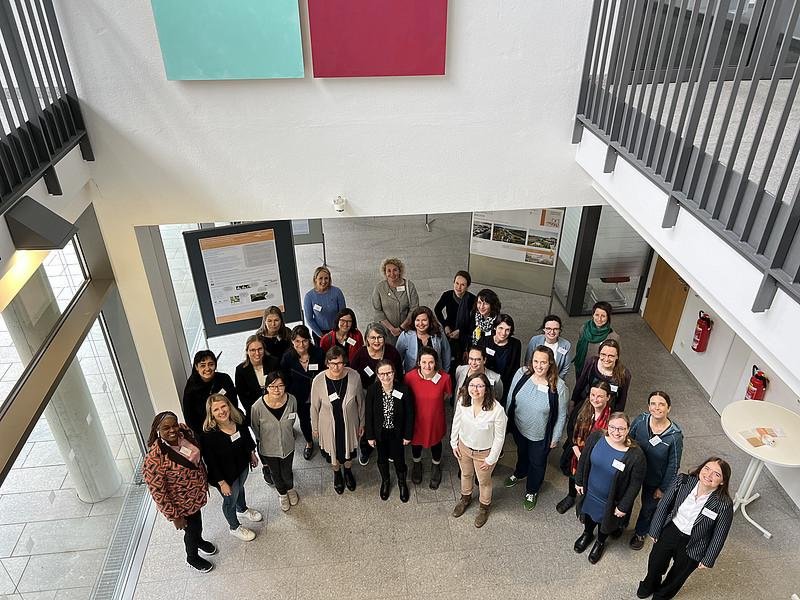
{"x":429,"y":425}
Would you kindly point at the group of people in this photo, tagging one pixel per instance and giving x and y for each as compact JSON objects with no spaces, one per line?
{"x":389,"y":387}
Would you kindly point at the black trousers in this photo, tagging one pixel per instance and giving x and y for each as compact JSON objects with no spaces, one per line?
{"x":193,"y":534}
{"x":588,"y":527}
{"x":390,"y":445}
{"x":281,"y":469}
{"x":436,"y":452}
{"x":304,"y":414}
{"x":671,"y":546}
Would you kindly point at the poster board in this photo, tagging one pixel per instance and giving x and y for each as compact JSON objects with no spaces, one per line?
{"x":516,"y":249}
{"x":307,"y":231}
{"x":239,"y":271}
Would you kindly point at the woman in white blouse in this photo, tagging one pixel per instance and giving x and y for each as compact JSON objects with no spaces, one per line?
{"x":478,"y":433}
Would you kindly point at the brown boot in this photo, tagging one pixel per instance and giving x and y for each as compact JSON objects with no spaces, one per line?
{"x":483,"y":515}
{"x":462,"y":505}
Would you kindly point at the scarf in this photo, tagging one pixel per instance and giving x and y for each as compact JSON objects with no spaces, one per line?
{"x":582,"y":431}
{"x":483,"y":326}
{"x":592,"y":334}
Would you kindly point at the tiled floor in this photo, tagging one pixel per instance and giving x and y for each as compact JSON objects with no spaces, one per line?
{"x":357,"y":546}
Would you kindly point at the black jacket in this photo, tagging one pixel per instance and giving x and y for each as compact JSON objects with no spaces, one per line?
{"x":225,"y":458}
{"x":299,"y":383}
{"x":197,"y":392}
{"x":514,"y":350}
{"x":403,"y":412}
{"x":247,"y":387}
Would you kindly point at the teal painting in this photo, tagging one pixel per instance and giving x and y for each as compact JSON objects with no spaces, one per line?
{"x":229,"y":39}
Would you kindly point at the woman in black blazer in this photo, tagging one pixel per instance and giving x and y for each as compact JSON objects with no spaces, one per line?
{"x":689,"y":528}
{"x":204,"y":381}
{"x":503,"y":352}
{"x":250,"y":375}
{"x":389,"y":425}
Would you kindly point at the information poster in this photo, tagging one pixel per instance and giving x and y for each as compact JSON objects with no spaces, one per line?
{"x":526,"y":236}
{"x":242,"y":274}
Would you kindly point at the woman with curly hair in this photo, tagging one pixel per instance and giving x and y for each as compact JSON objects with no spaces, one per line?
{"x":394,"y":298}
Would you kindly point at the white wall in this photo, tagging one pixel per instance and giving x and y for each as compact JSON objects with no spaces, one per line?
{"x":492,"y":134}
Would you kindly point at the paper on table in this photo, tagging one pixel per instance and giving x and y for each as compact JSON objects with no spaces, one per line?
{"x":773,"y":431}
{"x":753,"y":438}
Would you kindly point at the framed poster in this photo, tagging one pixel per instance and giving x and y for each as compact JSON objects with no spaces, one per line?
{"x":529,"y":236}
{"x":241,"y":270}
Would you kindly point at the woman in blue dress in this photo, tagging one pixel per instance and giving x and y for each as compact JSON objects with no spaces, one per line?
{"x":610,"y":473}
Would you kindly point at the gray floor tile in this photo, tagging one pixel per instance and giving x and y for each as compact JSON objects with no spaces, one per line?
{"x":34,"y":480}
{"x":157,"y":590}
{"x":48,"y":537}
{"x":278,"y":584}
{"x":9,"y":535}
{"x":7,"y":585}
{"x":61,"y":571}
{"x":15,"y":567}
{"x":43,"y":454}
{"x":41,"y":506}
{"x":351,"y":580}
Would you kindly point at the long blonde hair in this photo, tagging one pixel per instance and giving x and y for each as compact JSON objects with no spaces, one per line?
{"x":210,"y":422}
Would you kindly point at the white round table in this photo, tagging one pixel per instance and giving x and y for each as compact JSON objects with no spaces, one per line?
{"x":747,"y":415}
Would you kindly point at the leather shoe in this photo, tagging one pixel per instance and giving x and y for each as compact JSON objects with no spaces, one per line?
{"x":596,"y":553}
{"x":403,"y":487}
{"x":436,"y":476}
{"x":566,"y":503}
{"x":582,"y":543}
{"x":642,"y":591}
{"x":416,"y":472}
{"x":349,"y":480}
{"x":308,"y":452}
{"x":338,"y":482}
{"x":386,"y":488}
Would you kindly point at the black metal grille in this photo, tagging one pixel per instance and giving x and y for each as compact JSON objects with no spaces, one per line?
{"x":41,"y":119}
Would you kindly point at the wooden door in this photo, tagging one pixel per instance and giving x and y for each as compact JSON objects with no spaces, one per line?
{"x":665,"y":301}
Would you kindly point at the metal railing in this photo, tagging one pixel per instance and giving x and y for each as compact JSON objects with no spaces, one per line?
{"x":700,"y":96}
{"x":40,"y":120}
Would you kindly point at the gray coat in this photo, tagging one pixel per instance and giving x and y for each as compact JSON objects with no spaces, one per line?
{"x":322,"y":414}
{"x":275,"y":438}
{"x":394,"y":306}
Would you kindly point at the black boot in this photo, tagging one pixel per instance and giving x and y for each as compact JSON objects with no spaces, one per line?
{"x":416,"y":472}
{"x":386,"y":482}
{"x":338,"y":481}
{"x":436,"y":476}
{"x":402,"y":485}
{"x":349,"y":480}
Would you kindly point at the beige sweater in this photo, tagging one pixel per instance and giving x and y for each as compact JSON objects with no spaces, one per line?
{"x":322,"y":413}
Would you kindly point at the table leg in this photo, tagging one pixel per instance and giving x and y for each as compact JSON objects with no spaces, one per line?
{"x":748,"y":483}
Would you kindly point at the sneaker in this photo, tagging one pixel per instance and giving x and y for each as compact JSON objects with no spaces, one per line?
{"x":250,"y":515}
{"x":207,"y":548}
{"x":530,"y":501}
{"x":294,"y":497}
{"x":511,"y":481}
{"x":244,"y":534}
{"x":285,"y":504}
{"x":308,"y":452}
{"x":637,"y":542}
{"x":267,"y":476}
{"x":200,"y":564}
{"x":363,"y":460}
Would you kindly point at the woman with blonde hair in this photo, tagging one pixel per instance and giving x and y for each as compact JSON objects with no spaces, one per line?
{"x":274,"y":333}
{"x":229,"y":452}
{"x":322,"y":303}
{"x":394,"y":298}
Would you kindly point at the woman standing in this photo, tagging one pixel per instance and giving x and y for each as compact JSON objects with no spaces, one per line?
{"x":476,"y":363}
{"x":592,"y":333}
{"x":503,"y":352}
{"x":273,"y":425}
{"x":592,"y":416}
{"x":431,"y":387}
{"x":390,"y":426}
{"x":301,"y":363}
{"x":426,"y":334}
{"x":551,"y":337}
{"x":689,"y":528}
{"x":609,"y":475}
{"x":477,"y":436}
{"x":662,"y":442}
{"x":375,"y":350}
{"x":482,"y":320}
{"x":394,"y":298}
{"x":453,"y":310}
{"x":176,"y":478}
{"x":322,"y":303}
{"x":608,"y":367}
{"x":229,"y":452}
{"x":274,"y":333}
{"x":204,"y":381}
{"x":337,"y":416}
{"x":251,"y":374}
{"x":345,"y":335}
{"x":537,"y":406}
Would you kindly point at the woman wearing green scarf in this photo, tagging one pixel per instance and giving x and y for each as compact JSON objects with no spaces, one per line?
{"x":593,"y":333}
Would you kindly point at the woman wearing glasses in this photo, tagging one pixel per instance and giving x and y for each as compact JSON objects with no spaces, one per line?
{"x":482,"y":320}
{"x":375,"y":350}
{"x":345,"y":335}
{"x":389,"y":426}
{"x":551,"y":337}
{"x":592,"y":333}
{"x":608,"y":367}
{"x":394,"y":298}
{"x":503,"y":352}
{"x":252,"y":373}
{"x":477,"y":436}
{"x":610,"y":473}
{"x":273,"y":425}
{"x":337,"y":416}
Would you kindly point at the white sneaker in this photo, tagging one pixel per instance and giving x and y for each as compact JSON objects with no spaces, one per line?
{"x":244,"y":534}
{"x":294,"y":497}
{"x":285,"y":504}
{"x":250,"y":514}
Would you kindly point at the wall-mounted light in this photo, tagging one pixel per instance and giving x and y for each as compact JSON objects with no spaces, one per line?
{"x":339,"y":204}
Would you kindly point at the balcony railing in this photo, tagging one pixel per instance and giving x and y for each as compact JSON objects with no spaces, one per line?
{"x":40,"y":120}
{"x":701,"y":96}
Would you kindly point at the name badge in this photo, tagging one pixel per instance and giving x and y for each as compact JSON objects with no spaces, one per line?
{"x":542,"y":387}
{"x":185,"y":451}
{"x":397,"y":394}
{"x":435,"y":379}
{"x":333,"y":396}
{"x":614,"y":388}
{"x":490,"y":351}
{"x":351,"y":341}
{"x":314,"y":367}
{"x":291,"y":416}
{"x":561,"y":350}
{"x":222,"y":391}
{"x":317,"y":308}
{"x":401,"y":288}
{"x":709,"y":513}
{"x":618,"y":465}
{"x":369,"y":371}
{"x":444,"y":312}
{"x":483,"y":426}
{"x":655,"y":440}
{"x":236,"y":436}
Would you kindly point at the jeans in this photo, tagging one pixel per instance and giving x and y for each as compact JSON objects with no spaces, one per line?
{"x":281,"y":472}
{"x":436,"y":452}
{"x":236,"y":502}
{"x":470,"y":462}
{"x":193,"y":534}
{"x":531,"y":462}
{"x":671,"y":545}
{"x":649,"y":505}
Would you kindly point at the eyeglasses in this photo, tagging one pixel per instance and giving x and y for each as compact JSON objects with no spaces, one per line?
{"x":336,"y":363}
{"x":476,"y":386}
{"x":374,"y":338}
{"x":608,"y":356}
{"x":389,"y":374}
{"x":276,"y":386}
{"x":709,"y":470}
{"x":475,"y":359}
{"x":618,"y":429}
{"x":255,"y":350}
{"x":346,"y":321}
{"x":552,"y":329}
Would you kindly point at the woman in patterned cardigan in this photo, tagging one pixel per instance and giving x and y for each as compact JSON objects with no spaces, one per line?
{"x":177,"y":481}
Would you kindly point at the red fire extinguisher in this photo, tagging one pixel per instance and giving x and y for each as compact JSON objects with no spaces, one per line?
{"x":702,"y":332}
{"x":757,"y":387}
